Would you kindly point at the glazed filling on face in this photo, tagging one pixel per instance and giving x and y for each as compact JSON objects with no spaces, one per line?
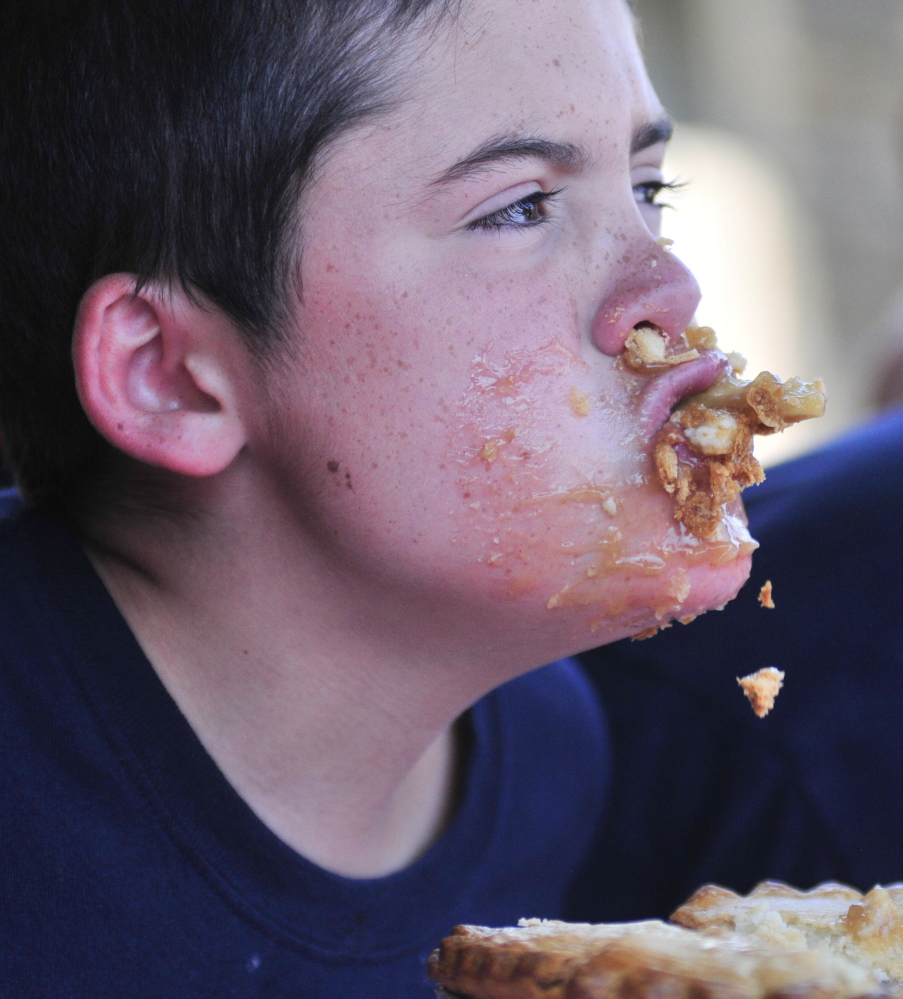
{"x":704,"y":452}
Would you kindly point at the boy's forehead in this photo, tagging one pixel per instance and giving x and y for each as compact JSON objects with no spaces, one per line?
{"x":521,"y":70}
{"x":537,"y":37}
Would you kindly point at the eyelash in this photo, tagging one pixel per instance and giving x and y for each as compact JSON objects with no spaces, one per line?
{"x":649,"y":190}
{"x":512,"y":216}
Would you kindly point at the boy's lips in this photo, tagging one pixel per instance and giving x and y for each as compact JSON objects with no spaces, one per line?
{"x":664,"y":391}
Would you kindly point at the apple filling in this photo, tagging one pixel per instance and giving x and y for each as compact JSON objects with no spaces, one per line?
{"x":704,"y":452}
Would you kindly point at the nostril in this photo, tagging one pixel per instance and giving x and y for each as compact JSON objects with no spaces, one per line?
{"x":667,"y":302}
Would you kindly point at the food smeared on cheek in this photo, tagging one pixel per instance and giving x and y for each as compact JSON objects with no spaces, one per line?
{"x":492,"y":448}
{"x":521,"y":491}
{"x":579,"y":402}
{"x":552,"y":473}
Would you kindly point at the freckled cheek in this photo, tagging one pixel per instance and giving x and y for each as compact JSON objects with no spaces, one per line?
{"x":368,"y":349}
{"x":385,"y":373}
{"x":532,"y":440}
{"x":414,"y":341}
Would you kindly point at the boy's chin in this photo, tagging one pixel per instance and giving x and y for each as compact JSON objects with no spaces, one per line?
{"x":704,"y":588}
{"x":680,"y":594}
{"x":712,"y":588}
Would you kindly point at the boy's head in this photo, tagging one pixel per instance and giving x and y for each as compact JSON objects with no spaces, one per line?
{"x":431,"y":228}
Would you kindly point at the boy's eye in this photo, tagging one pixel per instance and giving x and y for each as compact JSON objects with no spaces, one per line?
{"x":647,"y":192}
{"x":524,"y":213}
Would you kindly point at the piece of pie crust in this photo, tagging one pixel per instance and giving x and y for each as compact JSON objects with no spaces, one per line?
{"x":777,"y":943}
{"x":646,"y":960}
{"x":829,"y":919}
{"x":761,"y":689}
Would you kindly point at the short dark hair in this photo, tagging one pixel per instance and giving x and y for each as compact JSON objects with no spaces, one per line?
{"x":171,"y":139}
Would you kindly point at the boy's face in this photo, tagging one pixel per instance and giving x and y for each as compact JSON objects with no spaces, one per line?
{"x":456,"y":427}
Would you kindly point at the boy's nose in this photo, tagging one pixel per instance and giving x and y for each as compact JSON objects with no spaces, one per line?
{"x":660,"y":291}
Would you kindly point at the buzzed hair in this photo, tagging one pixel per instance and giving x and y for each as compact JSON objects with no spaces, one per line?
{"x":172,"y":140}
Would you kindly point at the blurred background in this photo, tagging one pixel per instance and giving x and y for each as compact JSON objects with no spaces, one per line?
{"x":790,"y":139}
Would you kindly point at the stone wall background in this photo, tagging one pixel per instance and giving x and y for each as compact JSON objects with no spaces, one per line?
{"x":816,"y":87}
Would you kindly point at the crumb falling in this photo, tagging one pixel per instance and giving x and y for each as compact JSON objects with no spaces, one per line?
{"x":762,"y":688}
{"x":765,"y":598}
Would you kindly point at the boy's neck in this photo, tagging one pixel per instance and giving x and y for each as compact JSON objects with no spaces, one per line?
{"x":332,"y":721}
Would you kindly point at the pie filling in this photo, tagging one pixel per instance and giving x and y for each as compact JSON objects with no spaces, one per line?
{"x":704,"y":452}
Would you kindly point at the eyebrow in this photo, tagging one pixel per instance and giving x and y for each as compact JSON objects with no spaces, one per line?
{"x":565,"y":155}
{"x":509,"y":147}
{"x":651,"y":134}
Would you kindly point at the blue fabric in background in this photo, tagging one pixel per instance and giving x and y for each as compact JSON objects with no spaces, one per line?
{"x":704,"y":790}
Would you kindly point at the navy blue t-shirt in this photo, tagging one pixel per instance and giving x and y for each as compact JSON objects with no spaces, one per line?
{"x":705,"y":791}
{"x":130,"y":868}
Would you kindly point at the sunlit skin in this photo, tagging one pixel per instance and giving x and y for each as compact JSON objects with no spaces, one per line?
{"x":446,"y":481}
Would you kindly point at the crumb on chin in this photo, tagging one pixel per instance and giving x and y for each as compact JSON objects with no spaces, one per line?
{"x":579,"y":402}
{"x":649,"y":632}
{"x":761,"y":689}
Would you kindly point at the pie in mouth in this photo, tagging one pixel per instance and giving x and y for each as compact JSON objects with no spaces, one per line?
{"x":704,"y":452}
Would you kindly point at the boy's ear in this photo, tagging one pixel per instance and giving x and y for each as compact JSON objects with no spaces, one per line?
{"x":155,"y":374}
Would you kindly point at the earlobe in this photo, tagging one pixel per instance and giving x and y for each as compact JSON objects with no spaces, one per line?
{"x":154,"y":374}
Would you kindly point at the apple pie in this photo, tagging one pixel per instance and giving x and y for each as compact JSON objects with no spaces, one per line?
{"x":777,"y":943}
{"x":829,"y":919}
